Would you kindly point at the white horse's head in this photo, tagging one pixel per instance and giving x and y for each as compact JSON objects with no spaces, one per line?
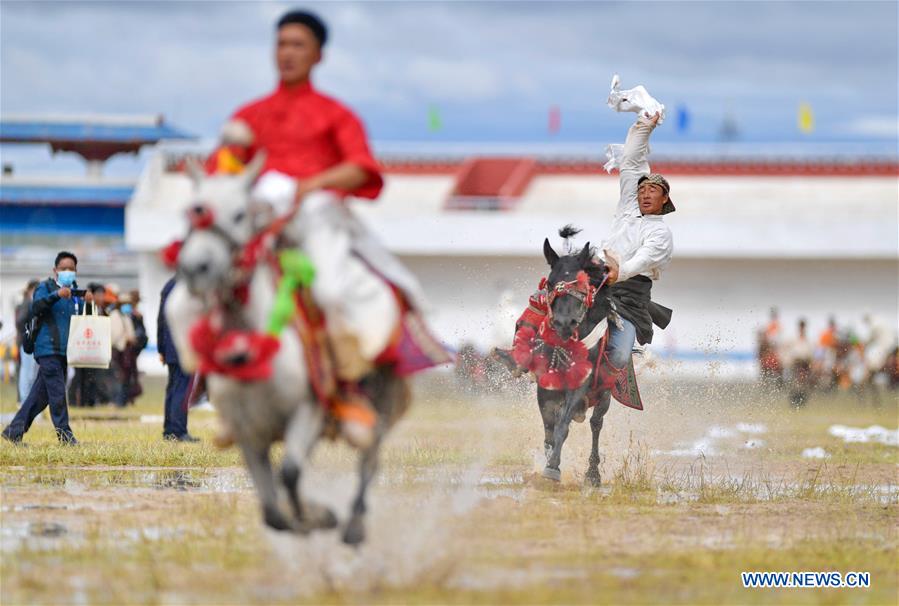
{"x":222,"y":223}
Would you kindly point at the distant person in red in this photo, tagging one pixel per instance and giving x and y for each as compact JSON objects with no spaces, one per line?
{"x":772,"y":329}
{"x":317,"y":154}
{"x":769,"y":355}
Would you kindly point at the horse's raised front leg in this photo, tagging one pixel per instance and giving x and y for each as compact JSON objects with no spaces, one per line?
{"x":302,"y":433}
{"x":260,"y":467}
{"x":354,"y":533}
{"x":592,"y":477}
{"x":560,"y":434}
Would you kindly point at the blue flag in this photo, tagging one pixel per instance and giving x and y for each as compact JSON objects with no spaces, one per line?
{"x":683,"y":118}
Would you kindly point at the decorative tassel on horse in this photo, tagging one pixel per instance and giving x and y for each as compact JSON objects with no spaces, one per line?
{"x":239,"y":354}
{"x":170,"y":253}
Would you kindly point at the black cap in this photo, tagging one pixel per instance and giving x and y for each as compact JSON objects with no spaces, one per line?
{"x":310,"y":20}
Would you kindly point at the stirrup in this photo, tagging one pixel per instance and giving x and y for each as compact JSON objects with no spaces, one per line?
{"x":356,"y":418}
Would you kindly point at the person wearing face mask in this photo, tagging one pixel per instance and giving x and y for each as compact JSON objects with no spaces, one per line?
{"x":53,"y":305}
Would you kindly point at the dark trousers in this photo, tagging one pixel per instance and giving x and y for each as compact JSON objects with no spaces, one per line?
{"x":177,"y":391}
{"x":49,"y":389}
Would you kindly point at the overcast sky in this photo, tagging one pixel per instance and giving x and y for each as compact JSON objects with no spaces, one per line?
{"x":492,"y":69}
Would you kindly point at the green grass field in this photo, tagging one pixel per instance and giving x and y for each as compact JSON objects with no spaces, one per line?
{"x":459,"y":514}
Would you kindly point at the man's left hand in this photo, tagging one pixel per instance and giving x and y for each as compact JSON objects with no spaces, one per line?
{"x":612,"y":271}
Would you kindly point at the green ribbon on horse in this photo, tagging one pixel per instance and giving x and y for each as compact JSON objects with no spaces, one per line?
{"x":297,"y":271}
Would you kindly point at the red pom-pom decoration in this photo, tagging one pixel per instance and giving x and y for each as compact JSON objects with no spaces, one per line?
{"x":558,"y":363}
{"x":170,"y":253}
{"x":200,"y":217}
{"x":242,"y":355}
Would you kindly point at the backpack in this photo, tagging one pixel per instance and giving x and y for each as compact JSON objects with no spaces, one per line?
{"x":29,"y":337}
{"x":33,"y":325}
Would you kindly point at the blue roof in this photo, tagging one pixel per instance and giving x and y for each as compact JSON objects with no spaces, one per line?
{"x":88,"y":194}
{"x":45,"y":131}
{"x":76,"y":220}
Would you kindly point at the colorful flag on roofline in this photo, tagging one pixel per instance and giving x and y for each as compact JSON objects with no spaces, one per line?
{"x":683,"y":118}
{"x":435,"y":123}
{"x":555,"y":119}
{"x":806,"y":118}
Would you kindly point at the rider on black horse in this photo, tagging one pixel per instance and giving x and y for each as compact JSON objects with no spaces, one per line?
{"x":637,"y":250}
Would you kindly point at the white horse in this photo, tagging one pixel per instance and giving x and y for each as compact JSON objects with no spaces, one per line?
{"x":260,"y":413}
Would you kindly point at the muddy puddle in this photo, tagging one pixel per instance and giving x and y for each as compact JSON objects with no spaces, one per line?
{"x":75,"y":479}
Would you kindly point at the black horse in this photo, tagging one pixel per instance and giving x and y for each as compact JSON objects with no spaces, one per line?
{"x":569,"y":313}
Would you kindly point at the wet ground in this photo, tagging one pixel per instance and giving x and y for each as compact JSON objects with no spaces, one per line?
{"x":692,"y":495}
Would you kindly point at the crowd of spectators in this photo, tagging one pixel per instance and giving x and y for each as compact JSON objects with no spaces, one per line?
{"x":120,"y":383}
{"x":43,"y":375}
{"x":863,"y":361}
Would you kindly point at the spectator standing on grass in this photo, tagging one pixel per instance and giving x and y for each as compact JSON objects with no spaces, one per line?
{"x":772,"y":329}
{"x":826,"y":355}
{"x":122,"y":332}
{"x":797,"y":356}
{"x":141,"y":339}
{"x":26,"y":368}
{"x":179,"y":384}
{"x":131,"y":382}
{"x":769,"y":355}
{"x":53,"y":304}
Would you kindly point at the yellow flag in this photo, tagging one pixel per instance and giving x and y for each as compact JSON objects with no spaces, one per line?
{"x":806,"y":118}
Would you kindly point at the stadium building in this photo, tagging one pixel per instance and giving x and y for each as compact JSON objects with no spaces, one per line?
{"x":813,"y":236}
{"x":42,"y":214}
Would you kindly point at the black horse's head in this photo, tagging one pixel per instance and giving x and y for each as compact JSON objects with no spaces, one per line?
{"x":576,"y":289}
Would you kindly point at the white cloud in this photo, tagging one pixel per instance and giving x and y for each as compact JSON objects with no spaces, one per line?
{"x":453,"y":79}
{"x":498,"y":65}
{"x":881,"y":127}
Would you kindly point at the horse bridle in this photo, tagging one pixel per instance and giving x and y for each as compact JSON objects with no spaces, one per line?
{"x":580,"y":288}
{"x":201,"y":218}
{"x":243,"y":256}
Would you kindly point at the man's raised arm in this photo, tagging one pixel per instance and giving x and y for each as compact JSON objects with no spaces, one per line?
{"x":634,"y":163}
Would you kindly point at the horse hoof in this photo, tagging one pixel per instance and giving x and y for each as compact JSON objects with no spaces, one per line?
{"x":355,"y":531}
{"x":592,"y":479}
{"x":552,"y":474}
{"x":274,"y":519}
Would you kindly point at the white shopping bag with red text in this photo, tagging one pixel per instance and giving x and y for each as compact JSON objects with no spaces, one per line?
{"x":90,"y":341}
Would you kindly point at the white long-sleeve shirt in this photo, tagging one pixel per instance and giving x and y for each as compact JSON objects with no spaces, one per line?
{"x":642,"y":244}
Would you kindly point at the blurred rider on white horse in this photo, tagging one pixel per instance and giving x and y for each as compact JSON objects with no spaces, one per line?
{"x":316,"y":156}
